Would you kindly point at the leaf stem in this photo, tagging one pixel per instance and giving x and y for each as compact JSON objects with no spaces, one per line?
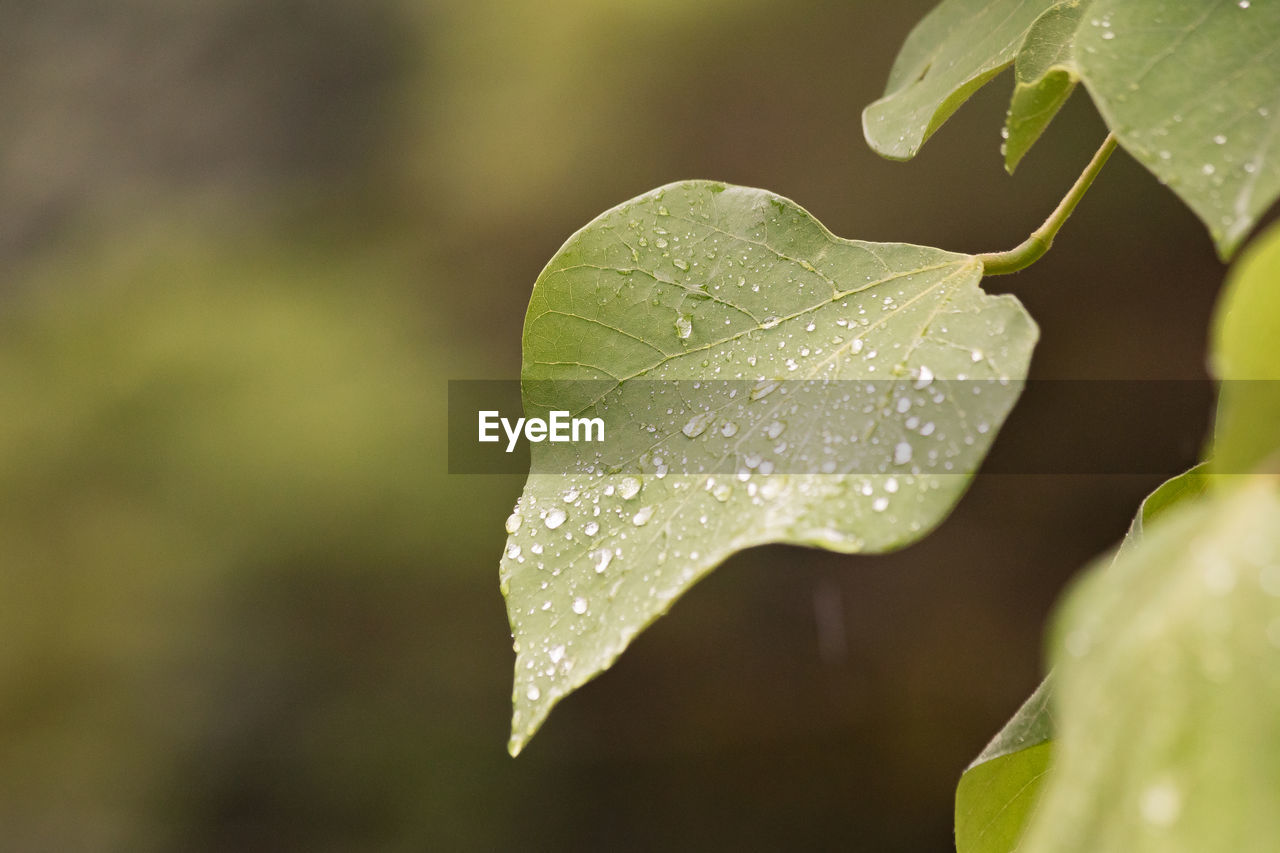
{"x":1033,"y":248}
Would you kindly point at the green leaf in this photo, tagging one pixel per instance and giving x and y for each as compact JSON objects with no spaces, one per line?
{"x":1192,"y":90}
{"x":1245,"y":356}
{"x":950,"y":54}
{"x":650,"y":318}
{"x":1045,"y":75}
{"x":998,"y":790}
{"x":1186,"y":486}
{"x":1167,"y":671}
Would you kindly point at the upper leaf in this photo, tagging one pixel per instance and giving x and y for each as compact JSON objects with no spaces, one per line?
{"x":1245,"y":356}
{"x":950,"y":54}
{"x":1046,"y":74}
{"x":1167,"y":670}
{"x":650,"y":318}
{"x":1192,"y":90}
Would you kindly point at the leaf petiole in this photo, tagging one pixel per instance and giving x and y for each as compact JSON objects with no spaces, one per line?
{"x":1033,"y":248}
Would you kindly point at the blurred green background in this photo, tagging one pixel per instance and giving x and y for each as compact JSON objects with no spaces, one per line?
{"x":243,"y":605}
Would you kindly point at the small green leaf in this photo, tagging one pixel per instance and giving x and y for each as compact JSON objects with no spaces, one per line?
{"x":998,"y":790}
{"x":1192,"y":90}
{"x":1186,"y":486}
{"x":1167,"y":673}
{"x":950,"y":54}
{"x":1045,"y":75}
{"x":717,"y":285}
{"x":1245,"y":356}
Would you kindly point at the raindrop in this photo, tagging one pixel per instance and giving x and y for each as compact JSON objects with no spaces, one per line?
{"x":775,"y":429}
{"x":684,"y":326}
{"x":601,"y":559}
{"x":629,"y":488}
{"x":579,"y":605}
{"x":533,"y":693}
{"x":902,"y":453}
{"x":728,"y":429}
{"x":591,"y":528}
{"x":880,"y":504}
{"x":555,"y":518}
{"x":926,"y":376}
{"x":769,"y":322}
{"x":1220,"y":139}
{"x":514,"y":521}
{"x":642,"y":516}
{"x":682,"y":264}
{"x":1161,"y":804}
{"x":764,"y":388}
{"x":697,"y":424}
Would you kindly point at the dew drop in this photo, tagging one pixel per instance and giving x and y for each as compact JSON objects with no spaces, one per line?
{"x":514,"y":521}
{"x":697,"y":424}
{"x":729,"y":429}
{"x":925,"y":377}
{"x":775,"y":429}
{"x":601,"y":559}
{"x":629,"y":488}
{"x":681,"y":263}
{"x":533,"y":693}
{"x":769,"y":322}
{"x":555,"y":518}
{"x":902,"y":453}
{"x":764,"y":388}
{"x":1161,"y":804}
{"x":591,"y":528}
{"x":579,"y":605}
{"x":642,"y":516}
{"x":684,"y":326}
{"x":880,"y":504}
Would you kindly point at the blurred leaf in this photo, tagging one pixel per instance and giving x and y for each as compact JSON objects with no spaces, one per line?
{"x":998,"y":790}
{"x":702,"y":281}
{"x":1245,"y":356}
{"x":1192,"y":90}
{"x":950,"y":54}
{"x":1167,"y":666}
{"x":1045,"y":75}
